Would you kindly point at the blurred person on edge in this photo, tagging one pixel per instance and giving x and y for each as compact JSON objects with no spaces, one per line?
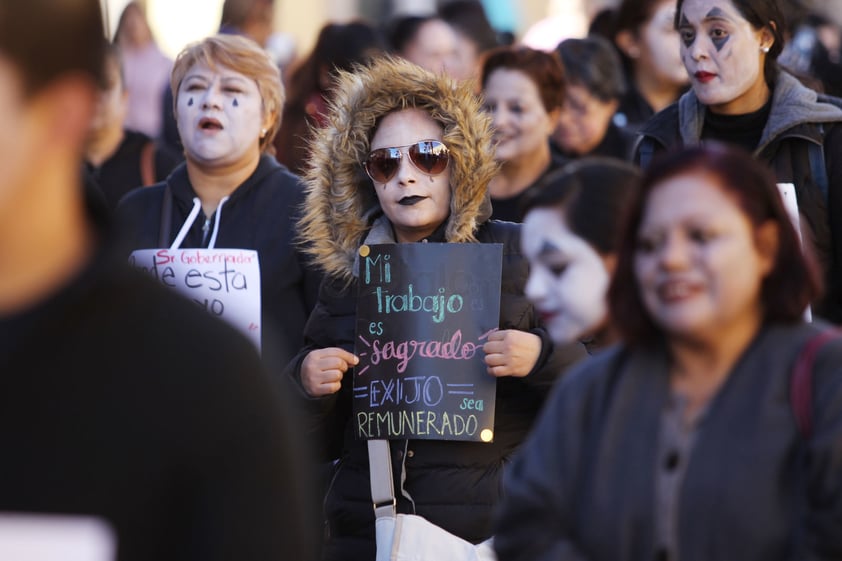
{"x":121,"y":401}
{"x":120,"y":159}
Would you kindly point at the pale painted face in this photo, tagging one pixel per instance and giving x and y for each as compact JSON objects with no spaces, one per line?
{"x":722,"y":54}
{"x":414,"y":202}
{"x":434,"y":47}
{"x":659,"y":52}
{"x":583,"y":120}
{"x":220,"y":117}
{"x":568,"y":279}
{"x":522,"y":125}
{"x":697,"y":262}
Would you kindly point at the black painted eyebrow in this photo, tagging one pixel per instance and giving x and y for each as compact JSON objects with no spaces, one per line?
{"x":713,"y":14}
{"x":716,"y":13}
{"x":548,"y":249}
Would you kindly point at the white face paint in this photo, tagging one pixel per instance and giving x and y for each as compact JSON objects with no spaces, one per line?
{"x":414,"y":202}
{"x":568,"y":280}
{"x":722,"y":54}
{"x":220,"y":117}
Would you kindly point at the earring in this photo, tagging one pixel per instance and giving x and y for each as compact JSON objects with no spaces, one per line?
{"x":262,"y":133}
{"x":764,"y":49}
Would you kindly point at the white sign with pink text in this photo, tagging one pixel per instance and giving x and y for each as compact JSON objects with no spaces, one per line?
{"x":225,"y":282}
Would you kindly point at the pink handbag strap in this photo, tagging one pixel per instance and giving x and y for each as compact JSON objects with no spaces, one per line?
{"x":801,"y":382}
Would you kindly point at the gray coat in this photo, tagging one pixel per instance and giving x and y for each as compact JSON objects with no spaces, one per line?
{"x":802,"y":129}
{"x":582,"y":487}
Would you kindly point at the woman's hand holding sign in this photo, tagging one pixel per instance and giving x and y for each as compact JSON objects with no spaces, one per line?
{"x":322,"y":370}
{"x":510,"y":352}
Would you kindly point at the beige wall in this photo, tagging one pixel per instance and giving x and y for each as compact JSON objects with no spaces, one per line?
{"x":178,"y":21}
{"x":302,"y":19}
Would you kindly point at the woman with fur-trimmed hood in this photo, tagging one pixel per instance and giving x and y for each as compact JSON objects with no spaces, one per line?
{"x":380,"y":114}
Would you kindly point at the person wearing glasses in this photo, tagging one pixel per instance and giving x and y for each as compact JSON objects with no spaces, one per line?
{"x":406,"y":157}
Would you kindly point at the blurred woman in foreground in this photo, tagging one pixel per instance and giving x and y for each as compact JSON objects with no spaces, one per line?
{"x":686,"y":431}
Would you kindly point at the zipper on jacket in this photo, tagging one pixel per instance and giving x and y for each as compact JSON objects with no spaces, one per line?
{"x":205,"y":230}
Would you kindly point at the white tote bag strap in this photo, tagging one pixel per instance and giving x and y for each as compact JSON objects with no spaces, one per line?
{"x":380,"y":472}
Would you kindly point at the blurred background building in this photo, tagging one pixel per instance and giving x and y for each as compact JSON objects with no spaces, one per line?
{"x":297,"y":23}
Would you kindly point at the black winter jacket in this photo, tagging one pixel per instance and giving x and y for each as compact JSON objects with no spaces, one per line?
{"x":799,"y":119}
{"x":261,"y":215}
{"x":453,"y":484}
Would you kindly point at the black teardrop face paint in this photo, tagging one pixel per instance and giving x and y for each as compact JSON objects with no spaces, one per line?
{"x":686,"y":38}
{"x":718,"y":42}
{"x":190,"y":102}
{"x":236,"y":103}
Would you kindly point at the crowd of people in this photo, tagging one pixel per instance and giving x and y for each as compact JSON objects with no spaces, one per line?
{"x":665,"y":195}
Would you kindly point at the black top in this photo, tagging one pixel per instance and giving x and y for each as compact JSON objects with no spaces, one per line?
{"x":510,"y":208}
{"x":260,"y":214}
{"x":121,"y":173}
{"x":743,"y":130}
{"x":633,"y":110}
{"x":455,"y":485}
{"x":617,"y":143}
{"x":121,"y":400}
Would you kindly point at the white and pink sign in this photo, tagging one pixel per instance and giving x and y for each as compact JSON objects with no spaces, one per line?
{"x":225,"y":282}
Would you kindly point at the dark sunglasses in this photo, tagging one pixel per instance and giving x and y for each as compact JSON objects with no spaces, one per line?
{"x":428,"y":156}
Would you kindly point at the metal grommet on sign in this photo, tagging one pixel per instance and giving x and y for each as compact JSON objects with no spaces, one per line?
{"x":364,"y":250}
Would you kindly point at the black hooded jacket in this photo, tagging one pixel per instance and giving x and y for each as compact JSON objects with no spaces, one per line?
{"x":454,"y":484}
{"x":261,"y":215}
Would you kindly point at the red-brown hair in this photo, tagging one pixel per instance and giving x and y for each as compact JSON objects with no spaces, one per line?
{"x":544,"y":69}
{"x":790,"y":286}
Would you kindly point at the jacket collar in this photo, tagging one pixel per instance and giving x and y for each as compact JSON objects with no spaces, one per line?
{"x":795,"y":111}
{"x":183,"y":191}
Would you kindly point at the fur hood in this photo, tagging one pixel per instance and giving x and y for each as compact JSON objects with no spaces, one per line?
{"x":341,"y":203}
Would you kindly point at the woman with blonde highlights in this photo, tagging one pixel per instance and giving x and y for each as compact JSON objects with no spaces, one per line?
{"x":228,"y":100}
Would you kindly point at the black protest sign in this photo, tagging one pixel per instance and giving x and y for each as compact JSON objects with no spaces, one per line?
{"x":423,"y":314}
